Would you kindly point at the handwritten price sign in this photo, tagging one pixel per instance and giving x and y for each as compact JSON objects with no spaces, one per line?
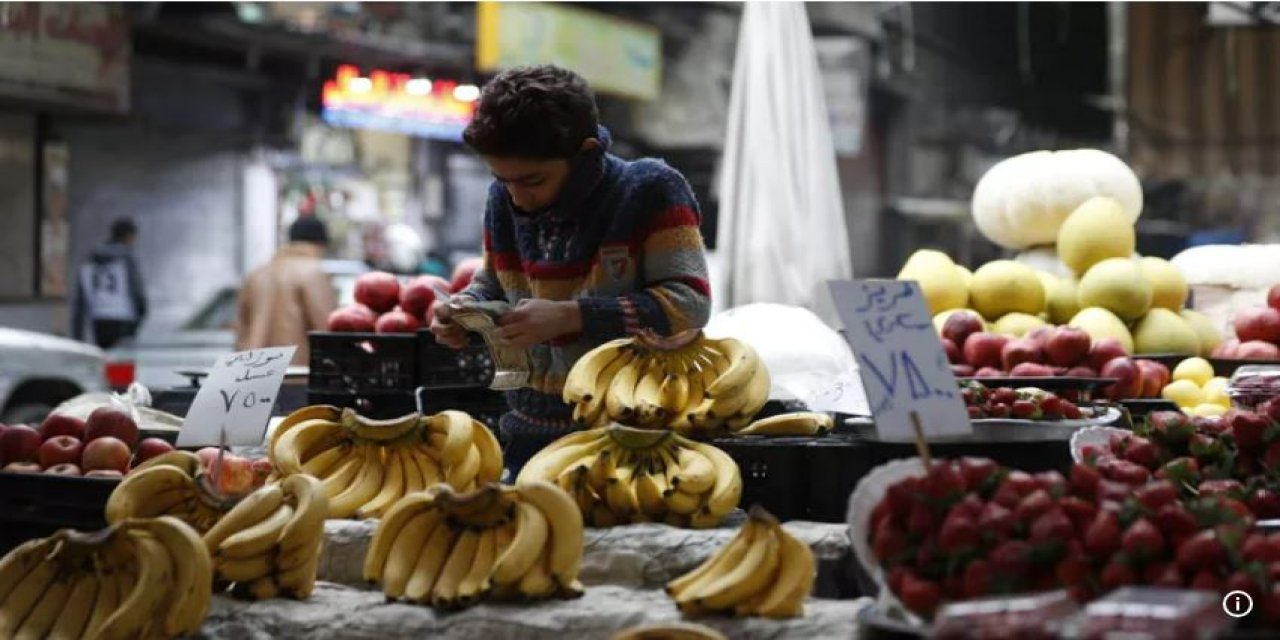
{"x":900,"y":358}
{"x":237,"y":396}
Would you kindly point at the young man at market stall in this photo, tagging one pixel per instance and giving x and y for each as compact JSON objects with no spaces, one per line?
{"x":585,"y":246}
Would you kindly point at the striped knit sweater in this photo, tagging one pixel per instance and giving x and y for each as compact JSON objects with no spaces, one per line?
{"x":622,"y":238}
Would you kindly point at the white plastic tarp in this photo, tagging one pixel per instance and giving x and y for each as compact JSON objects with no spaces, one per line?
{"x":782,"y":228}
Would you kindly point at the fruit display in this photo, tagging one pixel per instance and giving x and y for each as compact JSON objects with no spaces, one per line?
{"x":140,"y":578}
{"x":762,"y":571}
{"x":366,"y":465}
{"x":1027,"y":403}
{"x":382,"y":305}
{"x":620,"y":474}
{"x":968,"y":529}
{"x":173,"y":484}
{"x":450,"y":550}
{"x":1195,"y":389}
{"x":800,"y":423}
{"x":1257,"y":332}
{"x":269,"y":543}
{"x":690,"y":383}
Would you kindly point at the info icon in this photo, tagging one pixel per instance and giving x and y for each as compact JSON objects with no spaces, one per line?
{"x":1237,"y":604}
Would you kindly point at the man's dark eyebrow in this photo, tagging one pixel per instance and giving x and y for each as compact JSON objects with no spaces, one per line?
{"x":524,"y":178}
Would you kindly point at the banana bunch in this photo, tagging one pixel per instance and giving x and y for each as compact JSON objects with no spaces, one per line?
{"x":171,"y":484}
{"x":451,"y":550}
{"x":622,"y":474}
{"x":367,"y":465}
{"x":269,"y":543}
{"x":800,"y":423}
{"x":689,"y":383}
{"x":762,"y":571}
{"x":140,"y":578}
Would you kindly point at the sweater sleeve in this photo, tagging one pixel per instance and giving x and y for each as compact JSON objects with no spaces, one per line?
{"x":676,"y":295}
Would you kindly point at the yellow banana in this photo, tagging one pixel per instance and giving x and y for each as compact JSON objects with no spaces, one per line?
{"x":413,"y":478}
{"x":476,"y":583}
{"x":362,"y":489}
{"x":188,"y":462}
{"x":548,"y":463}
{"x":648,"y":394}
{"x":696,"y":472}
{"x":802,"y":423}
{"x":46,"y":610}
{"x":428,"y":464}
{"x":105,"y":603}
{"x":728,"y":487}
{"x":430,"y":561}
{"x":379,"y":430}
{"x":620,"y":494}
{"x":297,"y":576}
{"x":405,"y":550}
{"x":312,"y":412}
{"x":466,"y":471}
{"x":147,"y":597}
{"x":648,"y":489}
{"x":458,"y":439}
{"x":602,"y":469}
{"x":310,"y":507}
{"x":579,"y":384}
{"x":311,"y":435}
{"x":490,"y":453}
{"x":74,"y":618}
{"x":392,"y":488}
{"x":752,"y":575}
{"x":537,"y":583}
{"x":445,"y":591}
{"x":682,"y":503}
{"x":565,"y":520}
{"x":595,"y":405}
{"x":797,"y":568}
{"x":327,"y":461}
{"x":149,"y":492}
{"x":25,"y":595}
{"x":675,"y":395}
{"x":193,"y":574}
{"x":531,"y":534}
{"x":257,"y":539}
{"x":730,"y":555}
{"x":388,"y":531}
{"x":602,"y":517}
{"x":620,"y":398}
{"x":345,"y":472}
{"x":243,"y":570}
{"x":743,"y":362}
{"x":16,"y":564}
{"x":251,"y":510}
{"x":264,"y":588}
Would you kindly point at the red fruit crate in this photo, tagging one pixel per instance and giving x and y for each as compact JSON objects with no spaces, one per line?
{"x":34,"y":505}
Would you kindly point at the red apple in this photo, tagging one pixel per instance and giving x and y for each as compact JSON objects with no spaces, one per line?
{"x":261,"y":468}
{"x":464,"y":272}
{"x":962,"y":370}
{"x":1258,"y":323}
{"x":989,"y":372}
{"x":235,"y":477}
{"x":22,"y":467}
{"x":1104,"y":351}
{"x":1016,"y":352}
{"x":1040,"y":335}
{"x":983,"y":349}
{"x":952,"y":351}
{"x":152,"y":447}
{"x":1154,"y":377}
{"x":396,"y":321}
{"x":1257,"y":350}
{"x":1081,"y":371}
{"x":417,"y":296}
{"x":353,"y":318}
{"x":60,"y":449}
{"x":1226,"y":349}
{"x":106,"y":452}
{"x":64,"y":469}
{"x":103,"y":473}
{"x":110,"y":421}
{"x":207,"y":455}
{"x":1128,"y":378}
{"x":378,"y":290}
{"x":1067,"y":347}
{"x":1030,"y":370}
{"x":62,"y":425}
{"x":960,"y":325}
{"x":19,"y":443}
{"x":1273,"y":297}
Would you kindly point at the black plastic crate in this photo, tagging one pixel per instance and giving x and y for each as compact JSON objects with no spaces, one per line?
{"x":353,"y":363}
{"x":483,"y":404}
{"x":440,"y":367}
{"x":34,"y":505}
{"x":773,"y":473}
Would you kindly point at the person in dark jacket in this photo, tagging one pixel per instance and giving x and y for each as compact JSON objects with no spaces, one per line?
{"x":110,"y":300}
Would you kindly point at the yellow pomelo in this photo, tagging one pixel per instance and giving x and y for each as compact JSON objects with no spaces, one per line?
{"x":1004,"y":286}
{"x":940,"y":281}
{"x":1116,"y":284}
{"x":1168,"y":287}
{"x":1164,"y":331}
{"x":1096,"y":230}
{"x":1100,"y":323}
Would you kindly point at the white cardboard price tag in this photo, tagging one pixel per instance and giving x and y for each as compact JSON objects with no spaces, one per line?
{"x":900,"y":358}
{"x":237,"y":395}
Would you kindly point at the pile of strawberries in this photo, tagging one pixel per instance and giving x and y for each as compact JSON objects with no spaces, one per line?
{"x":969,"y":529}
{"x":1026,"y":403}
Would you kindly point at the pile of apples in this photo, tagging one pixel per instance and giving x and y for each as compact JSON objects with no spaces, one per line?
{"x":384,"y":306}
{"x":1048,"y":351}
{"x":1257,"y":332}
{"x":106,"y":445}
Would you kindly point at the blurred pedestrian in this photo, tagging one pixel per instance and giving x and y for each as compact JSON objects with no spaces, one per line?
{"x":110,"y":300}
{"x":284,"y":299}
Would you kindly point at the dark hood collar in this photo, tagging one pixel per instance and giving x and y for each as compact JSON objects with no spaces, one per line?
{"x":109,"y":251}
{"x":585,"y":175}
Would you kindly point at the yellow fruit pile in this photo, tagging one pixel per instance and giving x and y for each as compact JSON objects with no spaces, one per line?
{"x":762,"y":571}
{"x":1195,"y":389}
{"x":140,"y":578}
{"x":171,"y":484}
{"x":366,"y":465}
{"x":451,"y":550}
{"x":619,"y":474}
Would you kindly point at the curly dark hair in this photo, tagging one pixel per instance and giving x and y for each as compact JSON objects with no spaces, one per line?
{"x":533,"y":112}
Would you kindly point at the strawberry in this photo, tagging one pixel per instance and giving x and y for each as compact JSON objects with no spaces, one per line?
{"x":1004,"y":395}
{"x":1006,"y":496}
{"x":1206,"y":580}
{"x":1208,"y":450}
{"x":1072,"y":569}
{"x":1239,"y":512}
{"x":1079,"y":511}
{"x":1124,"y":471}
{"x":1271,"y":409}
{"x":1021,"y":482}
{"x":976,"y":471}
{"x":1143,"y":452}
{"x":1257,"y":548}
{"x":1024,"y":410}
{"x":879,"y":514}
{"x":998,"y":410}
{"x":1203,"y":551}
{"x":1118,"y":442}
{"x":944,"y":480}
{"x":1265,"y":504}
{"x":959,"y":533}
{"x":901,"y":496}
{"x":1247,"y":427}
{"x":1240,"y":581}
{"x":921,"y":521}
{"x":1117,"y":574}
{"x":1273,"y":572}
{"x":1070,"y":411}
{"x":920,"y":596}
{"x":977,"y":577}
{"x":1273,"y":541}
{"x":1271,"y":459}
{"x":889,"y":542}
{"x":1084,"y":480}
{"x":1142,"y":540}
{"x":1036,"y":503}
{"x":1180,"y":471}
{"x":896,"y":575}
{"x":1229,"y":488}
{"x":1011,"y":559}
{"x":1052,"y":526}
{"x":1103,"y":535}
{"x":971,"y":506}
{"x":1170,"y":428}
{"x":1163,"y":574}
{"x":996,"y":519}
{"x":1051,"y":407}
{"x":1090,"y":452}
{"x":953,"y":586}
{"x":1247,"y":465}
{"x":1270,"y":605}
{"x":1176,"y":522}
{"x":975,"y":413}
{"x":1053,"y":482}
{"x":1154,"y":495}
{"x":927,"y":555}
{"x":1109,"y":491}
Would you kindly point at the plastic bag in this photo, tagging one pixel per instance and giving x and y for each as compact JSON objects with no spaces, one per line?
{"x":808,"y":360}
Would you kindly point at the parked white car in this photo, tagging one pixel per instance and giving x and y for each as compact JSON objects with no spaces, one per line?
{"x":39,"y":371}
